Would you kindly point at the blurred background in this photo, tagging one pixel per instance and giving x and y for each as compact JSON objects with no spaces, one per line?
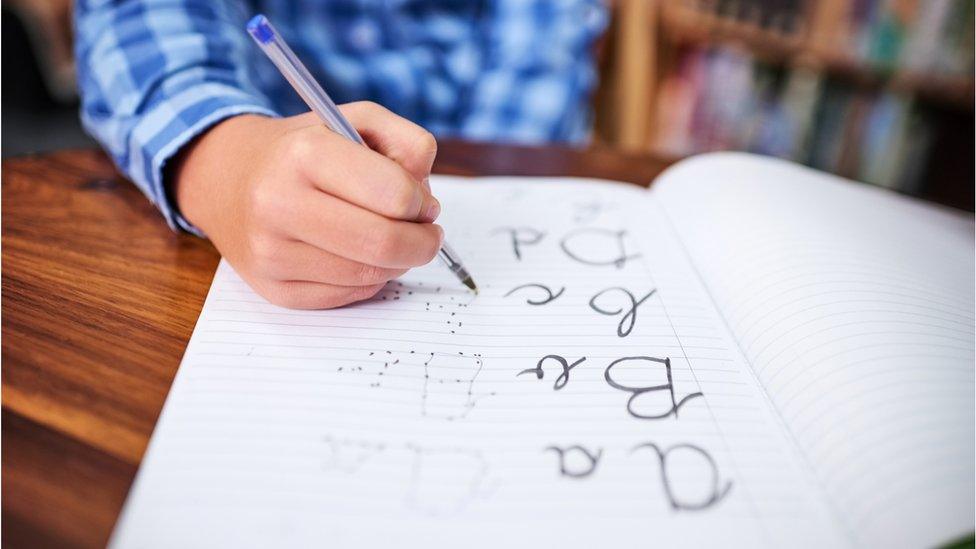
{"x":39,"y":98}
{"x":875,"y":90}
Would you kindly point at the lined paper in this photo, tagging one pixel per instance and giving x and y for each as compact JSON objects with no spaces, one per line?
{"x":590,"y":395}
{"x":855,"y":307}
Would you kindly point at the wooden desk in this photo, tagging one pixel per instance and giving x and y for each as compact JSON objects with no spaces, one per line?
{"x":99,"y":300}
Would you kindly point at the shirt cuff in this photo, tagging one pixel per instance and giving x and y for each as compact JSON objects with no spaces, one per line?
{"x":177,"y":121}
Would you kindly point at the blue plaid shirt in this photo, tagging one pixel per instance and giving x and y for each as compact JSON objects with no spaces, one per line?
{"x":155,"y":73}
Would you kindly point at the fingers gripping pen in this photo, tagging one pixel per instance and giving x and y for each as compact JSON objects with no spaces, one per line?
{"x":321,"y":104}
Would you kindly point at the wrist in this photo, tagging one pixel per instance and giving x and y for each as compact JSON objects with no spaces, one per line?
{"x":199,"y":175}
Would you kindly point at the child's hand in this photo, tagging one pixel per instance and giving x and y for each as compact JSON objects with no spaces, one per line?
{"x":308,"y":218}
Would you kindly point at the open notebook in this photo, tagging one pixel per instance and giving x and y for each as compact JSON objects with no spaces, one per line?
{"x":750,"y":354}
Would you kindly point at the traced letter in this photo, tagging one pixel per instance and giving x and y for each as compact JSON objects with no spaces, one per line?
{"x":543,"y":287}
{"x":716,"y":491}
{"x":520,"y":236}
{"x":563,"y":377}
{"x":604,"y":241}
{"x":569,"y":457}
{"x":630,"y":317}
{"x":638,"y":391}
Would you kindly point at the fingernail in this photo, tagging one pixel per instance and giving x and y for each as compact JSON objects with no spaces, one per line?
{"x":433,"y":210}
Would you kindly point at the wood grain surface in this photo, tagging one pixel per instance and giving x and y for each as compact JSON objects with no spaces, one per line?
{"x":99,"y":300}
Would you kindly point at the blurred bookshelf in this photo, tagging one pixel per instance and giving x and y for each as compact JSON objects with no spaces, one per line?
{"x":880,"y":91}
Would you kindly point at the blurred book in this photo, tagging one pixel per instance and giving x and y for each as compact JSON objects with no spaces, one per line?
{"x":920,"y":35}
{"x":721,"y":99}
{"x":718,"y":96}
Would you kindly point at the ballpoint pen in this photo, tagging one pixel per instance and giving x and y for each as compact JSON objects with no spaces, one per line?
{"x":321,"y":104}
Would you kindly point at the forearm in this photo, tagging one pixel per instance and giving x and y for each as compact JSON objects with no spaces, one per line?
{"x":201,"y":174}
{"x":154,"y":75}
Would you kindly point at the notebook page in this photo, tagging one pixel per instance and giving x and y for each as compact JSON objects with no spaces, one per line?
{"x":855,"y":308}
{"x":588,"y":396}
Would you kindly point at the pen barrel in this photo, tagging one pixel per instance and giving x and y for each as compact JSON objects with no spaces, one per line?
{"x":301,"y":79}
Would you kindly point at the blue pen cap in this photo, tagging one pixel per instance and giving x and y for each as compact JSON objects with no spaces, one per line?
{"x":260,"y":28}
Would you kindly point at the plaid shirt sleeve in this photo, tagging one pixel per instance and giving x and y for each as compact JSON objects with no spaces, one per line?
{"x":156,"y":73}
{"x":538,"y":73}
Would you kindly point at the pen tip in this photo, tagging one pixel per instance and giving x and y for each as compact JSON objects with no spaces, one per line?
{"x":470,"y":284}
